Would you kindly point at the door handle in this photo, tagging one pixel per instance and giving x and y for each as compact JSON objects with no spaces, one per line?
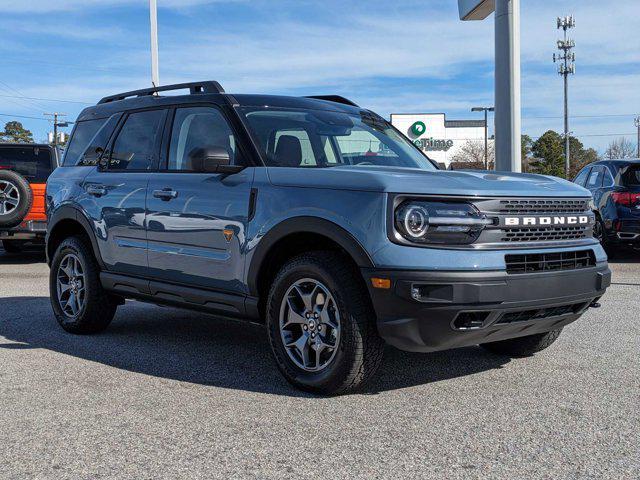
{"x":96,"y":190}
{"x":165,"y":194}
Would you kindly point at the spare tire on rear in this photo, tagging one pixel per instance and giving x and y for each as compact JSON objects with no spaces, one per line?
{"x":16,"y":198}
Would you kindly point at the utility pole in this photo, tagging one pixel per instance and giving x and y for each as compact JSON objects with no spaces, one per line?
{"x":567,"y":67}
{"x":636,"y":121}
{"x":153,"y":19}
{"x":57,"y":124}
{"x":486,"y":110}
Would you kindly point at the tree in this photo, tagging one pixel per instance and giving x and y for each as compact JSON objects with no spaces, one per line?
{"x":472,"y":152}
{"x":548,"y":155}
{"x":620,"y":148}
{"x":548,"y":151}
{"x":15,"y":132}
{"x":526,"y":145}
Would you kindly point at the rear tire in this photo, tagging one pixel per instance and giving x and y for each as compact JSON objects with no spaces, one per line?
{"x":346,"y":322}
{"x":75,"y":271}
{"x":523,"y":346}
{"x":13,"y":246}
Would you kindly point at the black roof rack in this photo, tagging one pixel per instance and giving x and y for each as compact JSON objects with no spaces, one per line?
{"x":334,"y":98}
{"x":210,"y":86}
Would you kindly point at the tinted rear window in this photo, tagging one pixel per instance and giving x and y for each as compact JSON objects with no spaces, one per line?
{"x":631,"y":177}
{"x":33,"y":163}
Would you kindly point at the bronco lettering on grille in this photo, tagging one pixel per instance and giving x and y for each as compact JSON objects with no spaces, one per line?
{"x":556,"y":220}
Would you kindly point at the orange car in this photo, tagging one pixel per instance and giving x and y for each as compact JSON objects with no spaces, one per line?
{"x":24,"y":170}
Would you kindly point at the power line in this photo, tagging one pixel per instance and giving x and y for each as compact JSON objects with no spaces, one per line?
{"x":24,"y":116}
{"x":21,"y":95}
{"x":48,"y":99}
{"x":586,"y":116}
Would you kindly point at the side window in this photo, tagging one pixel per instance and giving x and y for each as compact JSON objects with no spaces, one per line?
{"x":196,"y":128}
{"x":80,"y":139}
{"x":595,"y":179}
{"x":608,"y":178}
{"x":135,"y":147}
{"x":582,"y":176}
{"x":308,"y":157}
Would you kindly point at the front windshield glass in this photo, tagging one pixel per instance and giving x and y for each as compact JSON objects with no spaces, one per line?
{"x":320,"y":138}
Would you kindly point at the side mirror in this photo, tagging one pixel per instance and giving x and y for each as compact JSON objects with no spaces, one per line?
{"x":212,"y":159}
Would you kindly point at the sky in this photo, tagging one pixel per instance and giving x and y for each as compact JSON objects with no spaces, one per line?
{"x":405,"y":56}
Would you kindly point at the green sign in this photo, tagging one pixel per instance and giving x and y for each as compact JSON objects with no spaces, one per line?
{"x":418,"y":128}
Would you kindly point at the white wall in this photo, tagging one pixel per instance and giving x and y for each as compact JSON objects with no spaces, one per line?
{"x":435,"y":123}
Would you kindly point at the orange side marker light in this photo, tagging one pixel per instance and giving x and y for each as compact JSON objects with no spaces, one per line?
{"x":383,"y":283}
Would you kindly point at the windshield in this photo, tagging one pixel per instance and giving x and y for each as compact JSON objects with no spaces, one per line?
{"x":319,"y":138}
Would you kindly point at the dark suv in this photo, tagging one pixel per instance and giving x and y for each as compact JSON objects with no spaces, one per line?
{"x":615,"y":186}
{"x":24,"y":169}
{"x":318,"y":218}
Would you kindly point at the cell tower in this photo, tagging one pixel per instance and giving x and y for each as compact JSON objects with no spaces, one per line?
{"x":566,"y":67}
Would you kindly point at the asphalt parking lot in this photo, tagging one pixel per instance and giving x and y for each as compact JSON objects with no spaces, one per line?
{"x":169,"y":394}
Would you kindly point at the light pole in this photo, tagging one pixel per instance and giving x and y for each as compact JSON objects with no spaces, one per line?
{"x":153,"y":19}
{"x":486,"y":110}
{"x":567,"y":67}
{"x":636,"y":122}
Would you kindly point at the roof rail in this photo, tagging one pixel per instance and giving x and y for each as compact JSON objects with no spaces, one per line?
{"x":209,"y":86}
{"x":335,"y":99}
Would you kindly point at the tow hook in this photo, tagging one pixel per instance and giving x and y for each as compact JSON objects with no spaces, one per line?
{"x":595,"y":305}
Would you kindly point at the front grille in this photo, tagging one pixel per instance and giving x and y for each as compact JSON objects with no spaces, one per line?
{"x":541,"y":313}
{"x":544,"y":234}
{"x":546,"y":262}
{"x":557,"y":230}
{"x":531,"y":207}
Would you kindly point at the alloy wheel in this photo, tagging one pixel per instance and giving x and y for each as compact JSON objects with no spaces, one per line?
{"x":71,"y":285}
{"x":310,"y":325}
{"x":9,"y":197}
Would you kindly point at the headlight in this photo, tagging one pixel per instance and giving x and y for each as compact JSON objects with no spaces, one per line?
{"x":433,"y":222}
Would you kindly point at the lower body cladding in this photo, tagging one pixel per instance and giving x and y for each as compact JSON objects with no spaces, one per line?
{"x":426,"y":311}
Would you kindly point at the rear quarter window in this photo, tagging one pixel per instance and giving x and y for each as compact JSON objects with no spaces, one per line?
{"x":33,"y":163}
{"x":88,"y":140}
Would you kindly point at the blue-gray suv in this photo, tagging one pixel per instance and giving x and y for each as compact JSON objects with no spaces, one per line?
{"x":317,"y":218}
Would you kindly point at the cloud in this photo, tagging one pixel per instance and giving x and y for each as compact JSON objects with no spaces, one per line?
{"x":48,"y":6}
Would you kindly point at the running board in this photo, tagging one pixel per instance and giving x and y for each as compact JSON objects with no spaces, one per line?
{"x":220,"y":303}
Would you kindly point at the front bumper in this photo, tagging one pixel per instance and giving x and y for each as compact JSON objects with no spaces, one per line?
{"x":28,"y":230}
{"x":426,"y":311}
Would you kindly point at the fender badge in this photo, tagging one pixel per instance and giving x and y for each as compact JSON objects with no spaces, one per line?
{"x":228,"y":234}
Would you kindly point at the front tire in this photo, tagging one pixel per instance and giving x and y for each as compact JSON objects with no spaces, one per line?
{"x":523,"y":346}
{"x":321,"y":325}
{"x":79,"y":302}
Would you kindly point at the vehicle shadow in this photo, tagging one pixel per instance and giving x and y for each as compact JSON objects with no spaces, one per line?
{"x":201,"y":349}
{"x":30,"y":256}
{"x":626,"y":255}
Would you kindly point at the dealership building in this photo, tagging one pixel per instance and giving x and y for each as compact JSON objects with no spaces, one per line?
{"x":438,"y":137}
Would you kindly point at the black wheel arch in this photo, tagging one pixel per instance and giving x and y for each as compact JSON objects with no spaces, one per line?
{"x":303,"y":225}
{"x":66,"y":221}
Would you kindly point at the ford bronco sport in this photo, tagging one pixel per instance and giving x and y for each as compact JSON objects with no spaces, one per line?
{"x":318,"y":218}
{"x":24,"y":169}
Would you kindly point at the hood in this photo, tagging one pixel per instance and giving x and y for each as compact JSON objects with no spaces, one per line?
{"x":423,"y":182}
